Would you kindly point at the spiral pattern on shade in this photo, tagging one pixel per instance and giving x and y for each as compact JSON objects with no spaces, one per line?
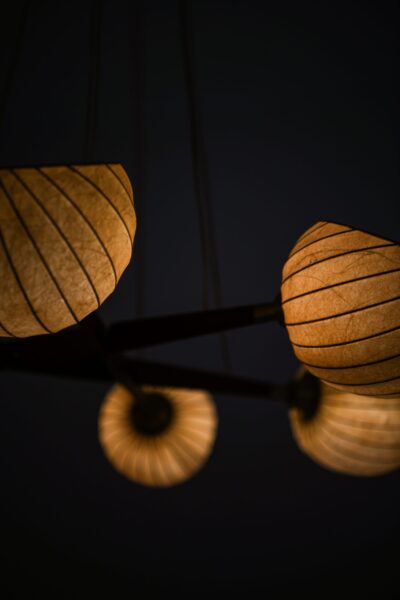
{"x":341,"y":303}
{"x":349,"y":433}
{"x":66,"y":236}
{"x":169,"y":457}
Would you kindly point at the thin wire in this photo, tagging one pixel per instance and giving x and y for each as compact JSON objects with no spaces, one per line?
{"x":12,"y":68}
{"x":93,"y":88}
{"x":196,"y":129}
{"x":201,"y":176}
{"x":138,"y":98}
{"x":215,"y":269}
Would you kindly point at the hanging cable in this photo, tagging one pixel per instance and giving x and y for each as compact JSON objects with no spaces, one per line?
{"x":201,"y":176}
{"x":93,"y":87}
{"x":195,"y":129}
{"x":12,"y":68}
{"x":138,"y":99}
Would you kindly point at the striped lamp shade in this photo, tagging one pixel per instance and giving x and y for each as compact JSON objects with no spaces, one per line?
{"x":66,"y":236}
{"x":341,"y":303}
{"x":349,"y":433}
{"x":168,"y":453}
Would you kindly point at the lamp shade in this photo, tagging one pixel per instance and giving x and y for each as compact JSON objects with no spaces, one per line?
{"x":160,"y":438}
{"x":349,"y":433}
{"x":66,"y":235}
{"x":341,"y":304}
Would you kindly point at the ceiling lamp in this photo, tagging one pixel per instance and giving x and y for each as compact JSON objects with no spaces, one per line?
{"x":341,"y":304}
{"x":66,"y":235}
{"x":157,"y":436}
{"x":349,"y":433}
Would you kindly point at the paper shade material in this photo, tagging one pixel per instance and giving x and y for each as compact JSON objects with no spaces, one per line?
{"x":349,"y":433}
{"x":341,"y":303}
{"x":66,"y":236}
{"x":169,"y":457}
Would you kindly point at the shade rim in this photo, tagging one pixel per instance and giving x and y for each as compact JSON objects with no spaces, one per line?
{"x":59,"y":164}
{"x":355,"y":228}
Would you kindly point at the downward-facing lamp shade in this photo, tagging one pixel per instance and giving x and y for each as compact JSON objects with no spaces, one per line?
{"x":158,"y":458}
{"x":341,"y":303}
{"x":349,"y":433}
{"x":66,"y":236}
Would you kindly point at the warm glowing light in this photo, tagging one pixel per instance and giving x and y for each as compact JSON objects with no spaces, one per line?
{"x":159,"y":437}
{"x":341,"y":302}
{"x":349,"y":433}
{"x":66,"y":236}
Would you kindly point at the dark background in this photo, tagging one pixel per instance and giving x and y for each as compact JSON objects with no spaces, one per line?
{"x":301,"y":112}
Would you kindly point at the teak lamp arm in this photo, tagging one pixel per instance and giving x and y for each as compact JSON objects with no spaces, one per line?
{"x":91,"y":337}
{"x":94,"y":352}
{"x":131,"y":371}
{"x":131,"y":335}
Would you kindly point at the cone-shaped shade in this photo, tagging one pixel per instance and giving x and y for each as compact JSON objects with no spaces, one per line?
{"x":349,"y":433}
{"x":341,"y":302}
{"x":66,"y":236}
{"x":165,"y":458}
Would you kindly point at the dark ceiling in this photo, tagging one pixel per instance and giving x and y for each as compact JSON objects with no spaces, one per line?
{"x":300,"y":113}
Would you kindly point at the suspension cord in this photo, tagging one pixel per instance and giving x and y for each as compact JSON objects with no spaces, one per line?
{"x":12,"y":68}
{"x":201,"y":176}
{"x":93,"y":84}
{"x":138,"y":99}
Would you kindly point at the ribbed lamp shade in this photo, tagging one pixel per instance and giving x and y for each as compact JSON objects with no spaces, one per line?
{"x":66,"y":236}
{"x":166,"y":455}
{"x":349,"y":433}
{"x":341,"y":303}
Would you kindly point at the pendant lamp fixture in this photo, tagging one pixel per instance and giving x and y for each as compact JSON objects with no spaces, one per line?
{"x":341,"y":305}
{"x":157,"y":436}
{"x":348,"y":433}
{"x":66,"y":235}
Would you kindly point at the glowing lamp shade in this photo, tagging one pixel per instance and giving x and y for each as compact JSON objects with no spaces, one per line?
{"x":341,"y":303}
{"x":66,"y":236}
{"x":349,"y":433}
{"x":160,"y":438}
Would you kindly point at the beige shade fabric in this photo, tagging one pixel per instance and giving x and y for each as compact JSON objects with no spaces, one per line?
{"x":169,"y":457}
{"x":349,"y":433}
{"x":341,"y":303}
{"x":66,"y":235}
